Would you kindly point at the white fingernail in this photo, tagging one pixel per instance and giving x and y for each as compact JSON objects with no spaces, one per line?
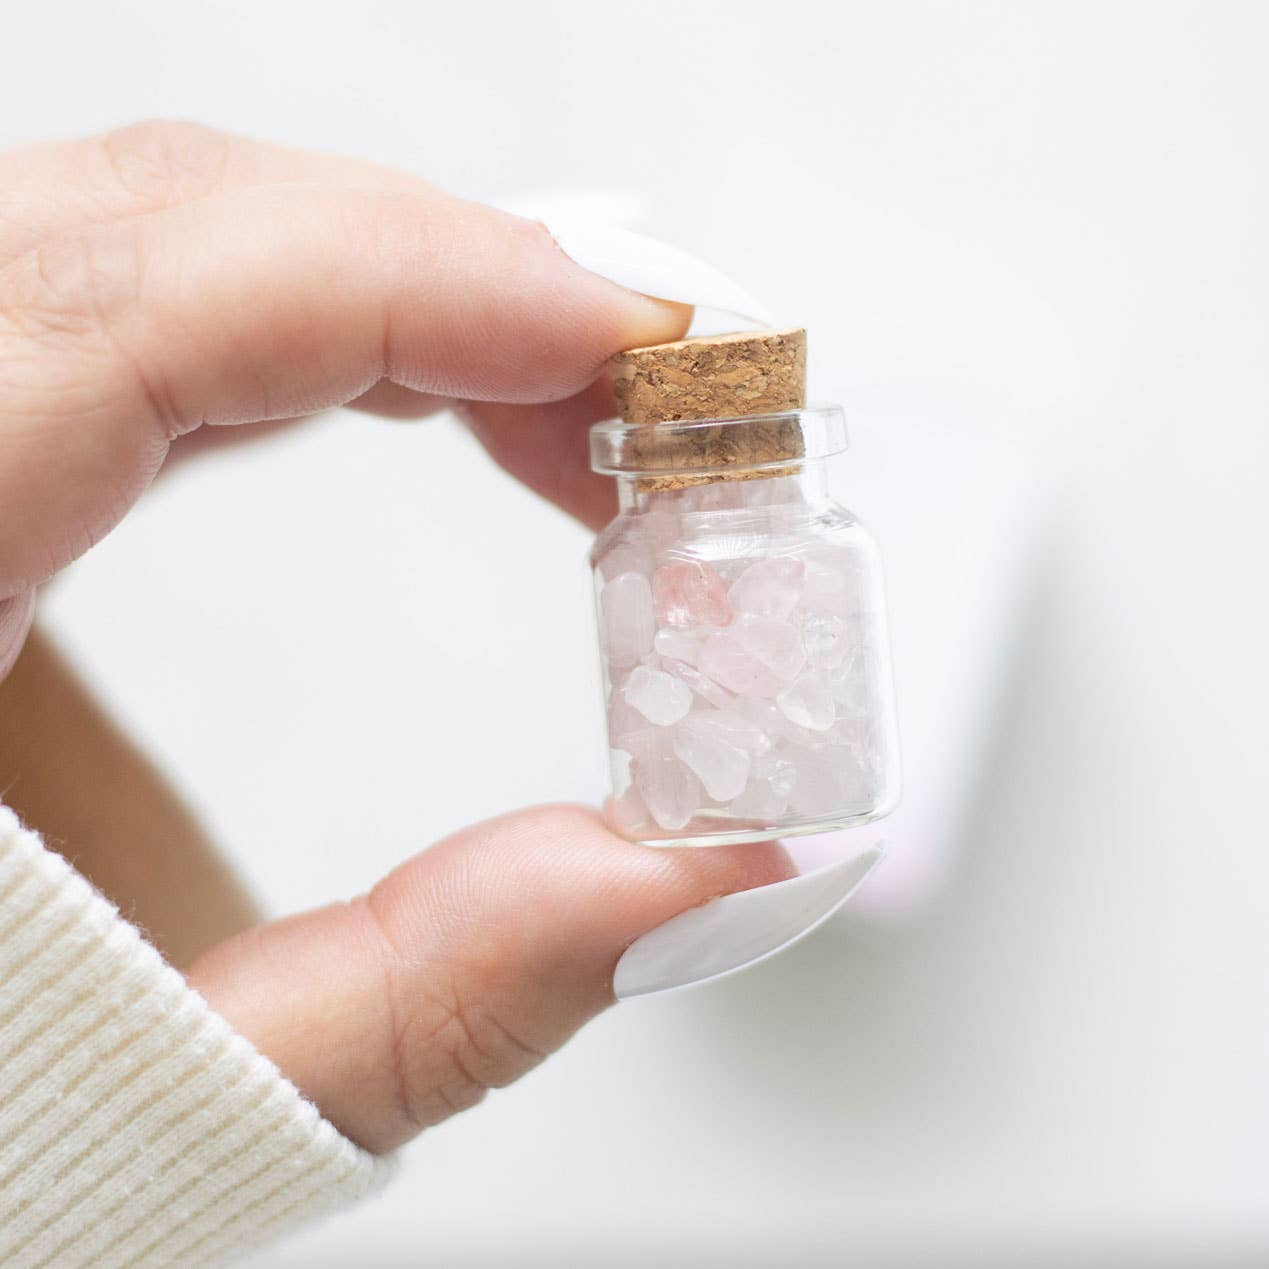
{"x":738,"y":929}
{"x":653,"y":268}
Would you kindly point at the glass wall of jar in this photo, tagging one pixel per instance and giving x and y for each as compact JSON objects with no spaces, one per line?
{"x":746,"y":668}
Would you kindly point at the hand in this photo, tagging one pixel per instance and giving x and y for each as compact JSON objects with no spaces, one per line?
{"x":167,"y":280}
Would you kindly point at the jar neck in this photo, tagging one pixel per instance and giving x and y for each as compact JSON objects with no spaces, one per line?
{"x":803,"y":483}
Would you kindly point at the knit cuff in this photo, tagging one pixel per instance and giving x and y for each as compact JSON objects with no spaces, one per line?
{"x":136,"y":1127}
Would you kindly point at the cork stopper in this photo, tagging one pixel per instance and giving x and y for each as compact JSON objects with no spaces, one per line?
{"x":715,"y":377}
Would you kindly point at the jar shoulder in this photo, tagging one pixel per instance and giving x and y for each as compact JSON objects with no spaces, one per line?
{"x":778,"y":528}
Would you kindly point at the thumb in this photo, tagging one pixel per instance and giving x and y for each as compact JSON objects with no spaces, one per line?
{"x":461,"y":969}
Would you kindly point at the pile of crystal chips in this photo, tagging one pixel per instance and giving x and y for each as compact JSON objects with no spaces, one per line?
{"x":739,"y":692}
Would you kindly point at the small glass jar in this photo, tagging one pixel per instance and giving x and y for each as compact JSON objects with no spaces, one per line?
{"x":742,"y":631}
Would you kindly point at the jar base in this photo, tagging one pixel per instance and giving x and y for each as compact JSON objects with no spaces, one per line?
{"x":739,"y":836}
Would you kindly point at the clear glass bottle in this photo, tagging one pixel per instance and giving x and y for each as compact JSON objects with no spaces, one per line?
{"x":742,"y":630}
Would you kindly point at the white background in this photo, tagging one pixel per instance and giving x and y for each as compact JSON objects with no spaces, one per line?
{"x":1040,"y":225}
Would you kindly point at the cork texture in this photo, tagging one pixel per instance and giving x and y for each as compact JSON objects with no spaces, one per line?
{"x":714,"y":377}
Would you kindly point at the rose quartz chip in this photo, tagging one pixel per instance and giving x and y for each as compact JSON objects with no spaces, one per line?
{"x":734,"y":728}
{"x":722,"y":767}
{"x":827,"y":639}
{"x":660,"y":697}
{"x":688,"y":593}
{"x":680,"y":645}
{"x":669,"y":790}
{"x":768,"y":588}
{"x":762,"y":713}
{"x":623,"y":559}
{"x":625,"y":606}
{"x":808,"y":702}
{"x":766,"y":797}
{"x":726,"y":662}
{"x":759,"y":801}
{"x":778,"y":769}
{"x":776,"y":644}
{"x":651,"y":742}
{"x":703,"y":686}
{"x":623,"y":718}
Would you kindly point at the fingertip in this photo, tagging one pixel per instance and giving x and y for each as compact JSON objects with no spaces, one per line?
{"x":565,"y":319}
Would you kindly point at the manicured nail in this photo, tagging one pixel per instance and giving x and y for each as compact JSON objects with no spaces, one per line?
{"x":653,"y":268}
{"x":738,"y":929}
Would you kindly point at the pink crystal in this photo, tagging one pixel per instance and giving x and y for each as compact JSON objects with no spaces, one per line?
{"x":624,"y":558}
{"x":688,"y":593}
{"x":701,"y":684}
{"x":808,"y":702}
{"x":651,"y":742}
{"x":726,"y":662}
{"x":778,"y":769}
{"x":625,"y":606}
{"x":766,"y":797}
{"x":623,"y":720}
{"x":776,"y":644}
{"x":759,"y":801}
{"x":660,"y":697}
{"x":768,"y":588}
{"x":721,"y":766}
{"x":680,"y":645}
{"x":776,"y":724}
{"x":762,"y":713}
{"x":827,"y":639}
{"x":732,"y":727}
{"x":670,"y":791}
{"x":803,"y":737}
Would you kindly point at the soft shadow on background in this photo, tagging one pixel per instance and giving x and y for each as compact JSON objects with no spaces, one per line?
{"x":1028,"y":241}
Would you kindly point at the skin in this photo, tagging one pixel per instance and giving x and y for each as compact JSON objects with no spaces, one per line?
{"x":162,"y":286}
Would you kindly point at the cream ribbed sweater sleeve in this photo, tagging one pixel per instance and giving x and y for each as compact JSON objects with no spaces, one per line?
{"x":136,"y":1128}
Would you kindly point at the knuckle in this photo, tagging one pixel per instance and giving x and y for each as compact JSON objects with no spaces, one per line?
{"x":450,"y":1054}
{"x":163,"y":162}
{"x":70,"y":286}
{"x":75,"y":295}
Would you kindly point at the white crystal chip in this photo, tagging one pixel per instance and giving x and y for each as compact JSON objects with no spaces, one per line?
{"x":706,"y":748}
{"x":680,"y":645}
{"x":724,"y":660}
{"x":741,"y":690}
{"x":768,"y":588}
{"x":776,"y":644}
{"x":701,"y":684}
{"x":808,"y":702}
{"x":660,"y":697}
{"x":669,"y":790}
{"x":626,"y":609}
{"x":826,"y":638}
{"x":732,"y":727}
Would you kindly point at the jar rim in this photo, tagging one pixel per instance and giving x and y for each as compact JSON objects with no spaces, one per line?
{"x":691,"y":446}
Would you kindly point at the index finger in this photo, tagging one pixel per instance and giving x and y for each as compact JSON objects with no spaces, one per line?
{"x":263,"y":303}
